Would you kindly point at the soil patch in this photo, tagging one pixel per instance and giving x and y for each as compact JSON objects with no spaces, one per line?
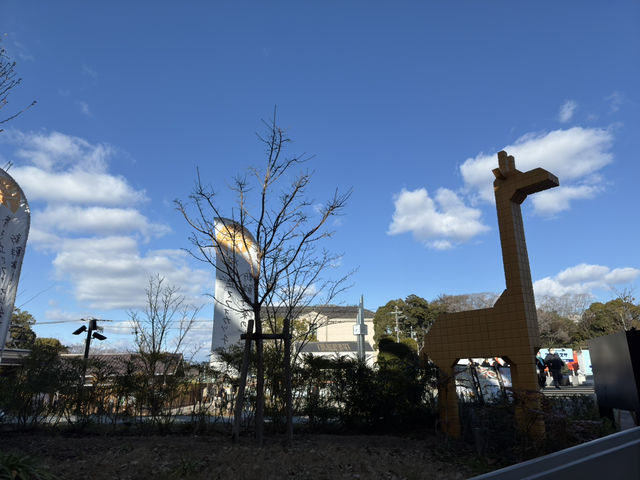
{"x":215,"y":457}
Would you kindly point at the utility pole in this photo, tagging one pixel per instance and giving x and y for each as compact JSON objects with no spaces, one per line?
{"x":360,"y":330}
{"x":397,"y":312}
{"x":91,"y":333}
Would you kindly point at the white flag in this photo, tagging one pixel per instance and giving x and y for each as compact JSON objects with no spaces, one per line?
{"x":14,"y":228}
{"x":237,"y":254}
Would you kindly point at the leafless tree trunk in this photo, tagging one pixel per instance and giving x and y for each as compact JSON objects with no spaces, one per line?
{"x":237,"y":413}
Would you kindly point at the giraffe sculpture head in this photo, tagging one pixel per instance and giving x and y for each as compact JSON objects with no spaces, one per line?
{"x":516,"y":185}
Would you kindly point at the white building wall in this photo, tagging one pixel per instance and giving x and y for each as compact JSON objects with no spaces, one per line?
{"x":341,"y":330}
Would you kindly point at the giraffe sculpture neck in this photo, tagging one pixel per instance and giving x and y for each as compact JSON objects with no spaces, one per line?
{"x":514,"y":250}
{"x":511,"y":188}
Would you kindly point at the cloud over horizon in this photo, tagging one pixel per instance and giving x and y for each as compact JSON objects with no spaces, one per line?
{"x":92,"y":222}
{"x":584,"y":278}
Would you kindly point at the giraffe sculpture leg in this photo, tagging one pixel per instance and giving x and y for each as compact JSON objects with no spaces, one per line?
{"x":448,"y":402}
{"x":528,"y":407}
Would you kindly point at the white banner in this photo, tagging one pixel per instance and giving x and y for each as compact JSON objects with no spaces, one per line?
{"x":238,"y":255}
{"x":14,"y":228}
{"x":565,"y":354}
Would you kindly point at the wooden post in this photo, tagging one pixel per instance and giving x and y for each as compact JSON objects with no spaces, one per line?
{"x":259,"y":384}
{"x":237,"y":415}
{"x":287,"y":379}
{"x":259,"y":337}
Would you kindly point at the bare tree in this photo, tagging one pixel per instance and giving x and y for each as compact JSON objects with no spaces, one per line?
{"x":8,"y":81}
{"x":160,"y":331}
{"x":570,"y":305}
{"x":165,"y":320}
{"x":464,"y":302}
{"x":279,"y":223}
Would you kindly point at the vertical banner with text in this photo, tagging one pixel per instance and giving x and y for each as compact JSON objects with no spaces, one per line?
{"x":236,"y":259}
{"x":14,"y":228}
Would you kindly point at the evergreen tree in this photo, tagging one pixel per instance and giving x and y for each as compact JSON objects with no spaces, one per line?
{"x":20,"y":333}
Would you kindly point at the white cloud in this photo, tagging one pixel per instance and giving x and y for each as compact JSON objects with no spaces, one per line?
{"x":567,"y":110}
{"x":557,"y":200}
{"x":90,"y":72}
{"x":57,"y":315}
{"x":91,"y":221}
{"x":621,"y":276}
{"x":119,"y":328}
{"x":584,"y":278}
{"x":574,"y":155}
{"x":84,"y":108}
{"x":615,"y":101}
{"x":440,"y":223}
{"x":44,"y":240}
{"x":59,"y":168}
{"x":57,"y":150}
{"x":96,"y":220}
{"x":76,"y":186}
{"x":111,"y":273}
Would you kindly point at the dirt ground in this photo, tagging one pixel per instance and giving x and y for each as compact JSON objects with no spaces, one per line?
{"x":215,"y":457}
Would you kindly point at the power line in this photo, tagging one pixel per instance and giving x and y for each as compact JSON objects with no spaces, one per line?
{"x":37,"y":295}
{"x":78,"y":320}
{"x":116,"y":332}
{"x":103,"y":320}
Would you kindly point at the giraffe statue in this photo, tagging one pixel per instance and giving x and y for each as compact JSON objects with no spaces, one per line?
{"x":510,"y":328}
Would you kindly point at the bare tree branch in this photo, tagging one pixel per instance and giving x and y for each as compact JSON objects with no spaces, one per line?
{"x":8,"y":81}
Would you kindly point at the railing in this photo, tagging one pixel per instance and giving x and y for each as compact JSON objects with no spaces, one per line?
{"x":597,"y":459}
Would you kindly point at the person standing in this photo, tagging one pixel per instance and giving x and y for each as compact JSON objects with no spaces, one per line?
{"x":555,"y":364}
{"x":540,"y":366}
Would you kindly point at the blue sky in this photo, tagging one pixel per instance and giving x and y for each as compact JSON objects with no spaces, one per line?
{"x":406,"y":102}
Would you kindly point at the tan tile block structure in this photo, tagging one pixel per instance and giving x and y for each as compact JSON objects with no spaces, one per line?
{"x":510,"y":328}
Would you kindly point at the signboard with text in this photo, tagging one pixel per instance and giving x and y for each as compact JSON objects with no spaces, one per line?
{"x":236,"y":260}
{"x":14,"y":229}
{"x":565,"y":354}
